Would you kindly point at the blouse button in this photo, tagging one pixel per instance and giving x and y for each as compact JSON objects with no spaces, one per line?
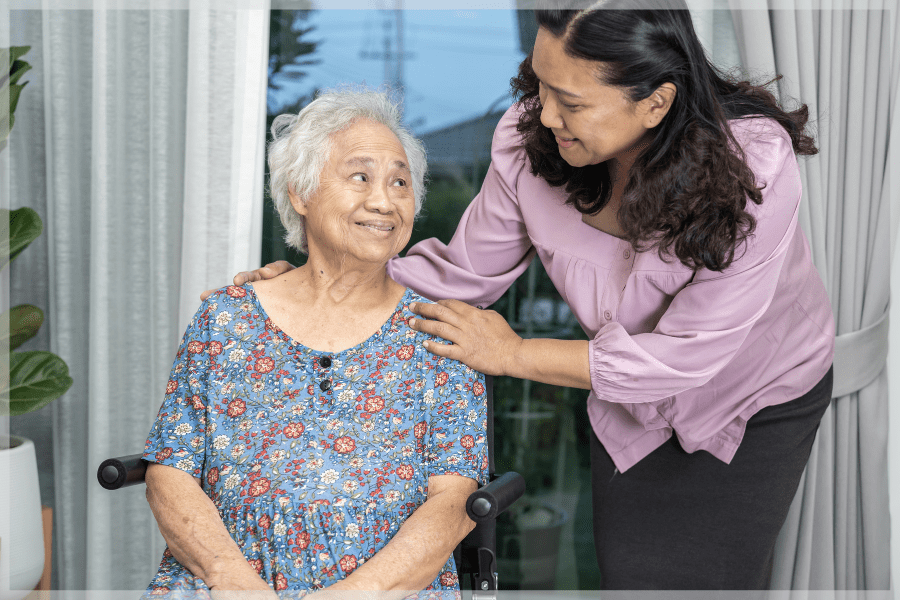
{"x":607,"y":315}
{"x":325,"y":362}
{"x":325,"y":385}
{"x":627,"y":254}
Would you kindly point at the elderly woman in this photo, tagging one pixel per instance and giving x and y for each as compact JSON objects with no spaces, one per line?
{"x":307,"y":439}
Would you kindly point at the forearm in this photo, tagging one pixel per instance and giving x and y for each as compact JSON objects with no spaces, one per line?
{"x":416,"y":554}
{"x":195,"y":533}
{"x":557,"y":362}
{"x":490,"y":249}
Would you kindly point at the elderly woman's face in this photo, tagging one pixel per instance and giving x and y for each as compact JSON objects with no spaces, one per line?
{"x":365,"y":206}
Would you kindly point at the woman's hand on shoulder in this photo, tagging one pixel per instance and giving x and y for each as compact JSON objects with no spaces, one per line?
{"x":269,"y":271}
{"x":480,"y":339}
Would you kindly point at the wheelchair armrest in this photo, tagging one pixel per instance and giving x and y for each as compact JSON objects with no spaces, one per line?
{"x":122,"y":471}
{"x":484,"y":504}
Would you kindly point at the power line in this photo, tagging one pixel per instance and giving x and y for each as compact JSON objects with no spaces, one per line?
{"x":477,"y":50}
{"x":415,"y":27}
{"x":392,"y":52}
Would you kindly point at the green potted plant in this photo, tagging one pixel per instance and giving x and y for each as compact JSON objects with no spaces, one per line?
{"x":34,"y":379}
{"x":13,"y":69}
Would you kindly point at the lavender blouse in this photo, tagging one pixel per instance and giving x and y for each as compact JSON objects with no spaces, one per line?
{"x":694,"y":353}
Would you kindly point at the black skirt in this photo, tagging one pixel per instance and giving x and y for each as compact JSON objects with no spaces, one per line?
{"x":679,"y":521}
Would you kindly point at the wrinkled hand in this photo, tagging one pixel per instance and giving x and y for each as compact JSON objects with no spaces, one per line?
{"x":334,"y":592}
{"x":267,"y":272}
{"x":245,"y":594}
{"x":481,"y":339}
{"x":240,"y":584}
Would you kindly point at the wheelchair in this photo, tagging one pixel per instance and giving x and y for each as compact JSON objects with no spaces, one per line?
{"x":476,"y":555}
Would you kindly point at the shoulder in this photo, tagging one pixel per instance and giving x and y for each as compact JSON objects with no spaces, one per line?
{"x":755,"y":128}
{"x":405,"y":314}
{"x":509,"y":161}
{"x":231,"y":299}
{"x":413,"y":296}
{"x":228,"y":298}
{"x":506,"y":132}
{"x":767,"y":147}
{"x":229,"y":294}
{"x":507,"y":141}
{"x":769,"y":154}
{"x":417,"y":337}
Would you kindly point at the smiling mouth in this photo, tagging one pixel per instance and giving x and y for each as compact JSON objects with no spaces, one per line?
{"x":565,"y":142}
{"x":376,"y":226}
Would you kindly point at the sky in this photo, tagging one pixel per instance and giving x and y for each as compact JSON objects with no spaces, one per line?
{"x":459,"y":66}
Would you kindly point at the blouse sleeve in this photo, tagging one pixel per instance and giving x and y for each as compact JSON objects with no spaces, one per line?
{"x":456,"y":432}
{"x":178,"y":437}
{"x":490,"y":248}
{"x":706,"y":322}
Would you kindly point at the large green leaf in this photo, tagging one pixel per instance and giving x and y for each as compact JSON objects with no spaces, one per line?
{"x":11,"y":70}
{"x":14,"y":92}
{"x":24,"y":226}
{"x":18,"y":68}
{"x":10,"y":55}
{"x":36,"y":378}
{"x":24,"y":322}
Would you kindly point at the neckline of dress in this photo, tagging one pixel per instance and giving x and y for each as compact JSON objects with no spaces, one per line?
{"x":351,"y":350}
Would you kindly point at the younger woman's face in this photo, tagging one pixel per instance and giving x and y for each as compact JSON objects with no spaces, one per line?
{"x":592,"y":122}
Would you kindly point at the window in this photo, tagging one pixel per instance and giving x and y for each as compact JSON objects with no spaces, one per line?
{"x":455,"y":67}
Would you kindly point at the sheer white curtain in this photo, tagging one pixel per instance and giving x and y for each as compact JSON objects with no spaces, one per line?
{"x":892,"y":183}
{"x":841,"y":62}
{"x":141,"y":146}
{"x":715,"y":28}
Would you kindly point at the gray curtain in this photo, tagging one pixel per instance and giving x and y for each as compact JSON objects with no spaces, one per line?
{"x":841,"y":64}
{"x":139,"y":142}
{"x":99,"y":208}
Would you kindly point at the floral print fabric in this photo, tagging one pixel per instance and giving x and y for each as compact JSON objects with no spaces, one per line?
{"x":313,"y":459}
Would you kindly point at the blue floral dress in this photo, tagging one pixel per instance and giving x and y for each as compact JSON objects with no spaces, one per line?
{"x":313,"y":459}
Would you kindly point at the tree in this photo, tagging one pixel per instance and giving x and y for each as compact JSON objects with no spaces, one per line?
{"x":290,"y":51}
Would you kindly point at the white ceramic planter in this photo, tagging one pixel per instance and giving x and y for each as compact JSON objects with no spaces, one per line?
{"x":21,"y":529}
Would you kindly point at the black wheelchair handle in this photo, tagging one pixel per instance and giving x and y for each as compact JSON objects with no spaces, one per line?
{"x":115,"y":473}
{"x":486,"y":503}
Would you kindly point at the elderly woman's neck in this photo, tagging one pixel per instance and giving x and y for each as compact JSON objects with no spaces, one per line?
{"x":329,"y":311}
{"x":345,"y":286}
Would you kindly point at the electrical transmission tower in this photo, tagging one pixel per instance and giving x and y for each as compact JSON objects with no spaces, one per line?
{"x":392,"y":51}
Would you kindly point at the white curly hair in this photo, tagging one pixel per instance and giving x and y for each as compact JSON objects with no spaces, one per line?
{"x":301,"y":145}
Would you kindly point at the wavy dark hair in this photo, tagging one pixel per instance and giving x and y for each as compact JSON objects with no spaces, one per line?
{"x":686,"y":194}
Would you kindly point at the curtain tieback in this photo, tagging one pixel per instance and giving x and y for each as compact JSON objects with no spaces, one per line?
{"x":859,"y":356}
